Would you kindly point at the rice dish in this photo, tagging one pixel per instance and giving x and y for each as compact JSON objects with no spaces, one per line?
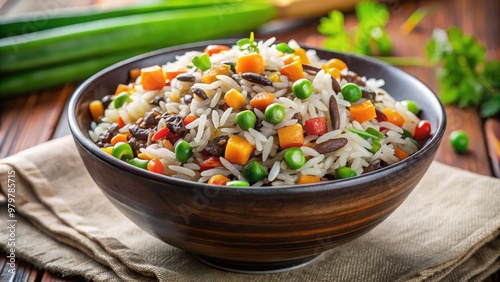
{"x":258,"y":113}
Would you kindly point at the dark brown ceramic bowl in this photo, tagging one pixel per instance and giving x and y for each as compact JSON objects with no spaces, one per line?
{"x":254,"y":229}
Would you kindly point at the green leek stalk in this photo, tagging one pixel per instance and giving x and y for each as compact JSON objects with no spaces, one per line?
{"x":39,"y":21}
{"x":115,"y":35}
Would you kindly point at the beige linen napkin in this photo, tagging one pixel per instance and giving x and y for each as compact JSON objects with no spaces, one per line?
{"x":447,"y":229}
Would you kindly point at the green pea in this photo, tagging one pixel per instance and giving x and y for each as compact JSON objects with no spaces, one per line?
{"x":239,"y":183}
{"x":411,"y":105}
{"x":246,"y":119}
{"x":283,"y":47}
{"x":183,"y":151}
{"x":302,"y":88}
{"x":459,"y":141}
{"x":122,"y":151}
{"x":294,"y":158}
{"x":253,"y":172}
{"x":139,"y":163}
{"x":344,"y":172}
{"x":351,"y":92}
{"x":275,"y":113}
{"x":120,"y":99}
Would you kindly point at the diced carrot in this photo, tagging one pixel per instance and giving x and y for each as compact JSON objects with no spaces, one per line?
{"x":218,"y":179}
{"x":238,"y":150}
{"x":120,"y":122}
{"x":250,"y":63}
{"x":169,"y":75}
{"x":108,"y":150}
{"x":262,"y":100}
{"x":306,"y":179}
{"x":189,"y":119}
{"x":302,"y":54}
{"x":335,"y":63}
{"x":363,"y":111}
{"x":152,"y":78}
{"x":234,"y":99}
{"x":290,"y":59}
{"x":155,"y":165}
{"x":400,"y":154}
{"x":119,"y":138}
{"x":393,"y":117}
{"x":214,"y":49}
{"x":334,"y":72}
{"x":96,"y":109}
{"x":134,"y":74}
{"x":211,"y":162}
{"x":293,"y":70}
{"x":122,"y":88}
{"x":291,"y":136}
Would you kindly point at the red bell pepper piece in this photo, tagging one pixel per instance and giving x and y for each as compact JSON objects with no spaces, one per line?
{"x":316,"y":126}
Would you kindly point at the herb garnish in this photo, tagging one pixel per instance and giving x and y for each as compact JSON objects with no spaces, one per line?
{"x":465,"y":78}
{"x":248,"y":44}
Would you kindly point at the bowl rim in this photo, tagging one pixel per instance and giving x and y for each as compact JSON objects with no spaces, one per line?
{"x":102,"y":156}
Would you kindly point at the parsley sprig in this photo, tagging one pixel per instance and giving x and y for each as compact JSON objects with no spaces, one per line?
{"x":465,"y":77}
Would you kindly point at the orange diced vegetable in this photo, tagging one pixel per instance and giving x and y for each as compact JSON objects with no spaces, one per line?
{"x":334,"y":72}
{"x":363,"y":112}
{"x":108,"y":150}
{"x":290,"y":59}
{"x":306,"y":179}
{"x":293,"y":70}
{"x":122,"y":88}
{"x":218,"y":179}
{"x":302,"y":54}
{"x":250,"y":63}
{"x":120,"y":122}
{"x":262,"y":100}
{"x":169,"y":75}
{"x":335,"y":63}
{"x":393,"y":117}
{"x":238,"y":150}
{"x":234,"y":99}
{"x":155,"y":165}
{"x":189,"y":119}
{"x":152,"y":78}
{"x":119,"y":138}
{"x":291,"y":136}
{"x":134,"y":74}
{"x":96,"y":109}
{"x":214,"y":49}
{"x":400,"y":154}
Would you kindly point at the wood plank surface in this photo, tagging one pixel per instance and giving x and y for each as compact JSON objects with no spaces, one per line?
{"x":37,"y":117}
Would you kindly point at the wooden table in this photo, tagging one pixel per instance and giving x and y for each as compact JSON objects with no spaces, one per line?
{"x":39,"y":116}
